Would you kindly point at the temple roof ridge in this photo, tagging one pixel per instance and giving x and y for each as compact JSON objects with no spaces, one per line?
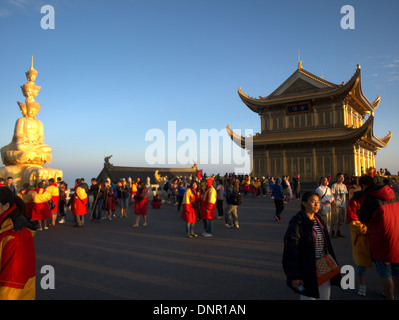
{"x":329,"y":89}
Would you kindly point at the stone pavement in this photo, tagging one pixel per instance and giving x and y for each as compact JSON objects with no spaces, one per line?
{"x":113,"y":261}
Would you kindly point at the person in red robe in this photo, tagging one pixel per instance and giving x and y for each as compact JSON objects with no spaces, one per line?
{"x":41,"y":209}
{"x":79,"y":204}
{"x":140,"y":204}
{"x":55,"y":195}
{"x":208,"y":208}
{"x":17,"y":252}
{"x":189,"y":214}
{"x":156,"y":202}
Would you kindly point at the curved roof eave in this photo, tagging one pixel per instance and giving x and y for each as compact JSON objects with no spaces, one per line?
{"x":254,"y":103}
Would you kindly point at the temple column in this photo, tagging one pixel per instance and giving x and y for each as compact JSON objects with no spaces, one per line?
{"x":284,"y":163}
{"x":314,"y":165}
{"x":315,"y":117}
{"x":363,"y":161}
{"x":368,"y":159}
{"x":333,"y":161}
{"x":358,"y":162}
{"x":269,"y":121}
{"x":262,"y":123}
{"x":267,"y":161}
{"x":334,"y":116}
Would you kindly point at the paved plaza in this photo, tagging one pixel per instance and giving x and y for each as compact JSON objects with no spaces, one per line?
{"x":113,"y":261}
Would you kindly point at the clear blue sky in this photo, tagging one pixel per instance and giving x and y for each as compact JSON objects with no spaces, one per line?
{"x":111,"y":71}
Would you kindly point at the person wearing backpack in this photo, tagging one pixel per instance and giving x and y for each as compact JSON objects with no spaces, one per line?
{"x":233,"y":199}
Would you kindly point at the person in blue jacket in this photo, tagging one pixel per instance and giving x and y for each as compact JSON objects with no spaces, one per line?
{"x":278,"y":195}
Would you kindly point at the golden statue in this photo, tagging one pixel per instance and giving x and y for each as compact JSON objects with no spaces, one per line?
{"x":158,"y":177}
{"x":27,"y":148}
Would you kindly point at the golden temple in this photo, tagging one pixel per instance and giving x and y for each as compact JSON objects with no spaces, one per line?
{"x":315,"y":128}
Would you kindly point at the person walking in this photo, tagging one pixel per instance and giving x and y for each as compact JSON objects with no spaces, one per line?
{"x":379,"y":212}
{"x":233,"y":199}
{"x":189,"y":213}
{"x":278,"y":197}
{"x":17,"y":252}
{"x":208,"y":208}
{"x":306,"y":242}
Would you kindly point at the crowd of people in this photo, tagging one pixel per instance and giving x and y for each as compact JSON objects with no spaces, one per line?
{"x":368,"y":204}
{"x":197,"y":199}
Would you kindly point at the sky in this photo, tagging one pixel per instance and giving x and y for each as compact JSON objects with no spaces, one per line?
{"x":124,"y":77}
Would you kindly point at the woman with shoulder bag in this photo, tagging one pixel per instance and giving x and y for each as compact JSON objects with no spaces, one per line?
{"x":308,"y":259}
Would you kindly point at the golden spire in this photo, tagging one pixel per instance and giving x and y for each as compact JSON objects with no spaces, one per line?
{"x":32,"y":73}
{"x":30,"y":90}
{"x":300,"y":65}
{"x":31,"y":65}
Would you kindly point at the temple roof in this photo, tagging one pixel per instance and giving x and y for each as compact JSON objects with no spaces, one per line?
{"x":362,"y":134}
{"x":303,"y":85}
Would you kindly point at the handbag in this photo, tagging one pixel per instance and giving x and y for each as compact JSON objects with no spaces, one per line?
{"x":326,"y":268}
{"x":51,"y":204}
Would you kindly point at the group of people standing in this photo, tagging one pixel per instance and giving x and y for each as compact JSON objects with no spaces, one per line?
{"x":43,"y":201}
{"x":47,"y":201}
{"x":107,"y":194}
{"x":201,"y":204}
{"x":370,"y":208}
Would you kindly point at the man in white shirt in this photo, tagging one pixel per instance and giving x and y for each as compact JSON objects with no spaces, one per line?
{"x":340,"y":193}
{"x":326,"y":200}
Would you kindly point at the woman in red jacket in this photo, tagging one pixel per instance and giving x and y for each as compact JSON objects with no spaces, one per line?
{"x":141,"y":204}
{"x":379,"y":211}
{"x":41,"y":209}
{"x":189,"y":210}
{"x":79,"y":204}
{"x":17,"y":250}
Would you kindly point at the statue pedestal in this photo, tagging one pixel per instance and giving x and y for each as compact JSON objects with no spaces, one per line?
{"x":28,"y":174}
